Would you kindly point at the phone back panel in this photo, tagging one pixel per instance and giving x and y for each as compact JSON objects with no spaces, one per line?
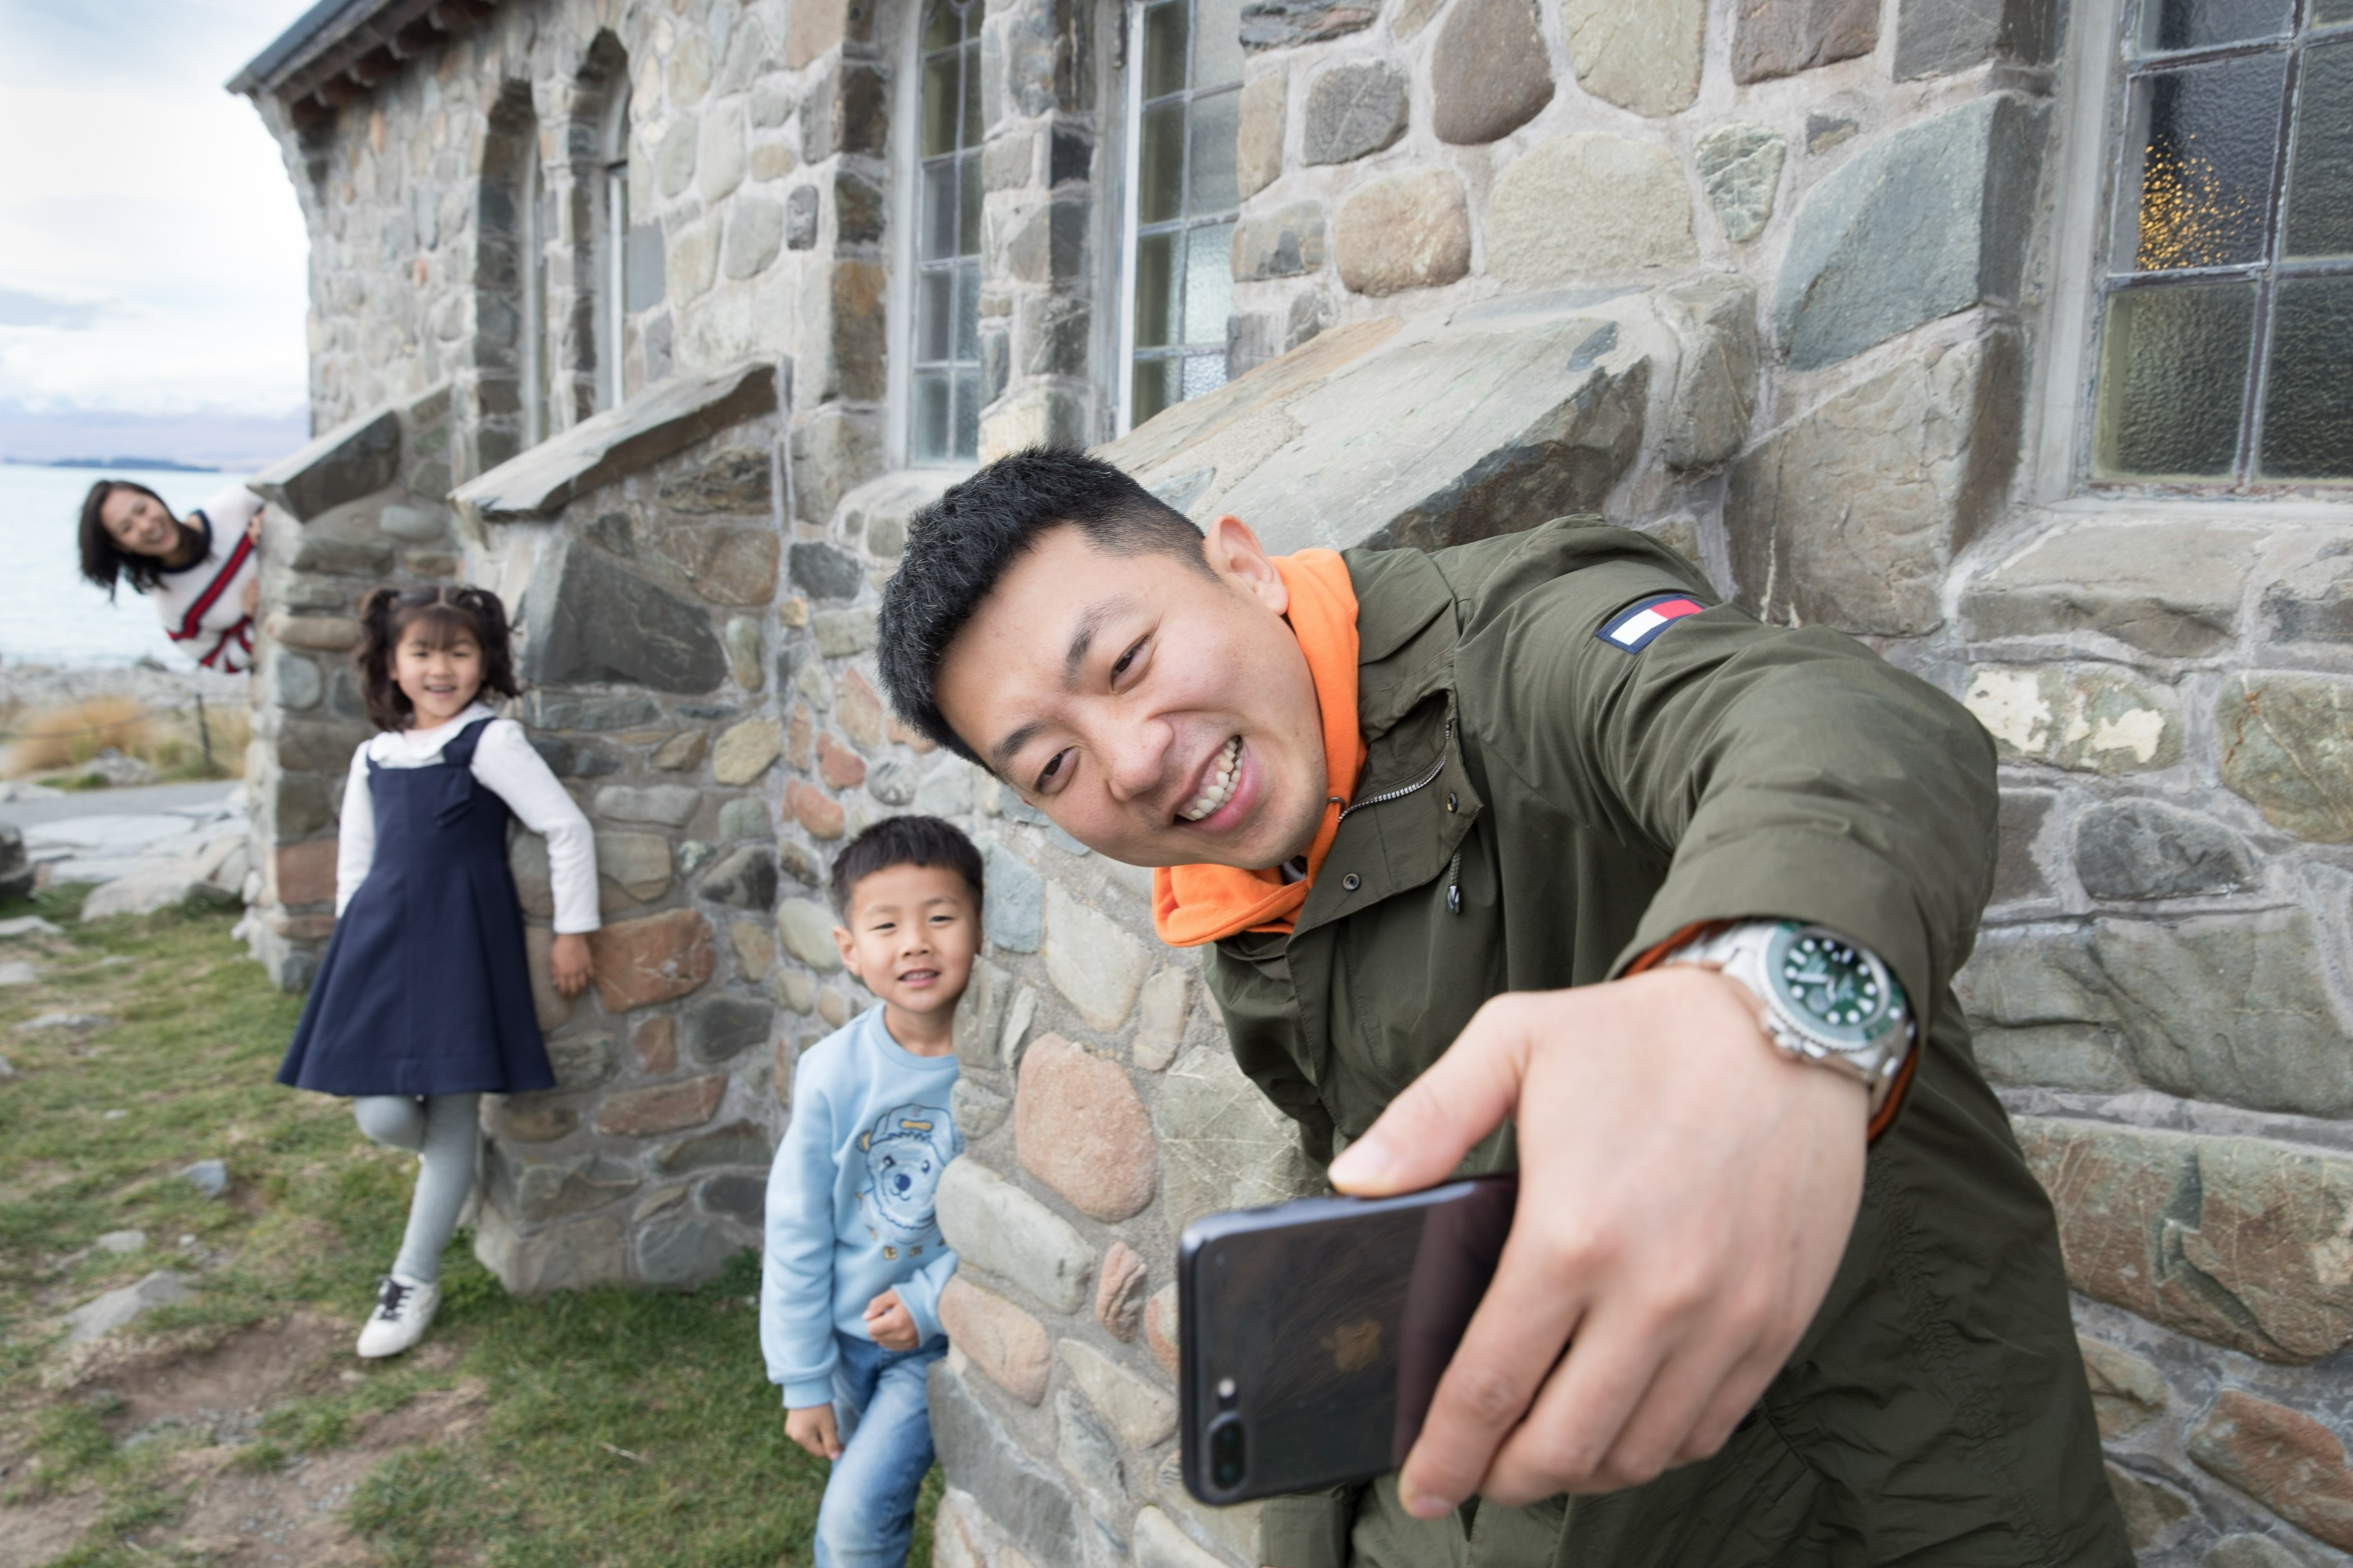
{"x":1319,"y":1329}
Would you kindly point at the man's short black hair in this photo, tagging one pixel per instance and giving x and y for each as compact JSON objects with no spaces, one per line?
{"x":959,"y":546}
{"x":903,"y":840}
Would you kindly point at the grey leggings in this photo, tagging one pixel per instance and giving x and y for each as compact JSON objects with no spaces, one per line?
{"x":441,"y":1127}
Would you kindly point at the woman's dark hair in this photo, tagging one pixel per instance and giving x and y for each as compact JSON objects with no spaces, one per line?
{"x":903,"y":840}
{"x":959,"y":546}
{"x":443,"y":614}
{"x":103,"y":561}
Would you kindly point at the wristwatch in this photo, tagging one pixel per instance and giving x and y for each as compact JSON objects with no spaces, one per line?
{"x":1820,"y":997}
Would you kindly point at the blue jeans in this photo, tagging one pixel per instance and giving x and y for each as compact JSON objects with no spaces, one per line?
{"x":868,"y":1516}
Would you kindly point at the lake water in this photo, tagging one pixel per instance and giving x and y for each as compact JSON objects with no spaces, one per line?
{"x":49,"y":614}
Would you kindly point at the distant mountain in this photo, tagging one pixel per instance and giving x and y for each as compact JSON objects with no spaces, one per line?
{"x":217,"y":439}
{"x":164,"y":465}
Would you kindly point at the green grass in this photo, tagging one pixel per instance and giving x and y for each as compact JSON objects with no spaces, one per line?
{"x":622,"y":1428}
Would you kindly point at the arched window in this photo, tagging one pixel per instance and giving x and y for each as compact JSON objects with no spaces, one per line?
{"x":1184,"y":108}
{"x":538,"y":226}
{"x":945,"y":424}
{"x":613,"y":285}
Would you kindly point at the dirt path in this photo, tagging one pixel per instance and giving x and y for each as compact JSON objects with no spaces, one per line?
{"x":287,"y":1515}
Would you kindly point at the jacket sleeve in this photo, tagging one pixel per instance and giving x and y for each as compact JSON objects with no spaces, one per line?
{"x":797,"y":1272}
{"x":920,"y":1293}
{"x":1779,"y":772}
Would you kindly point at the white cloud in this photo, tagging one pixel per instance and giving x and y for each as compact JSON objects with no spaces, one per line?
{"x":153,"y":258}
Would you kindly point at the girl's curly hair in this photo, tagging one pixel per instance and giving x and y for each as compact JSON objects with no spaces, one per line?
{"x":443,"y":614}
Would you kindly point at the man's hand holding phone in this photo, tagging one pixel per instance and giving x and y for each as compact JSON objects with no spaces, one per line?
{"x":1686,"y":1196}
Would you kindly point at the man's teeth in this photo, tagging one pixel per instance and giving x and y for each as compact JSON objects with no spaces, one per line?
{"x":1221,"y":784}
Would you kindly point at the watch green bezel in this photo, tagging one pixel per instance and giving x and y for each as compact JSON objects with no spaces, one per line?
{"x":1832,"y":987}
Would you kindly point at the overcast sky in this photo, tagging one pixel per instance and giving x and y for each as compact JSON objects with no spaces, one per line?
{"x":152,"y":255}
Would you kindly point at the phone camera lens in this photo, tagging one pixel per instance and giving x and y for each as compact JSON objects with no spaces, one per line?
{"x":1228,"y":1453}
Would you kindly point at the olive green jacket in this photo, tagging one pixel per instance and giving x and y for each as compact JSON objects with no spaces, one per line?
{"x":1539,"y":808}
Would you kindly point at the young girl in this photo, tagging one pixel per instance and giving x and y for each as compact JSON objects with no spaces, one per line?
{"x":205,"y":572}
{"x":423,"y":1001}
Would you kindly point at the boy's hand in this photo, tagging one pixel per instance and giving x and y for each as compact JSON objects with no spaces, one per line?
{"x":812,"y":1427}
{"x":888,"y":1319}
{"x":569,"y":965}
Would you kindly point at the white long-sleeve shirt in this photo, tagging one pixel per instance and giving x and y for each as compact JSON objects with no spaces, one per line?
{"x":203,"y":604}
{"x":505,"y":762}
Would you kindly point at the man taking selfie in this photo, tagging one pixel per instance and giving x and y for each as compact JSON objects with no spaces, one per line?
{"x":1529,"y":853}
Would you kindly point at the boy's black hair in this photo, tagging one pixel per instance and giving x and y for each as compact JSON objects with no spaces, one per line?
{"x":903,"y":840}
{"x":959,"y":546}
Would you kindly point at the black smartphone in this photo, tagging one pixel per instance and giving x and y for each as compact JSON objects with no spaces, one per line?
{"x":1311,"y":1335}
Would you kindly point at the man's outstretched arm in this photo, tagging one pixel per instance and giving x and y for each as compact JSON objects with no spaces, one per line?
{"x":1687,"y":1193}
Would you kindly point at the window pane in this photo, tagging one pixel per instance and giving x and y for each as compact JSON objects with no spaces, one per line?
{"x":939,"y":226}
{"x":946,"y":27}
{"x":1155,"y":289}
{"x":2206,"y":138}
{"x":1160,"y":164}
{"x":2308,"y":401}
{"x":2320,"y":169}
{"x":930,"y":435}
{"x":1203,"y":373}
{"x":1217,"y":43}
{"x":2198,"y":24}
{"x":1152,"y":390}
{"x":967,"y":313}
{"x":2173,"y":371}
{"x":968,"y":207}
{"x":1163,"y":49}
{"x":1214,"y":122}
{"x":965,"y":433}
{"x":971,"y":96}
{"x":1209,"y":284}
{"x":940,"y":105}
{"x":935,"y":315}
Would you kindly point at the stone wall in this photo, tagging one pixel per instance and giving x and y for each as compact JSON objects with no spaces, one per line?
{"x":365,"y":504}
{"x":642,"y":555}
{"x":1768,"y":281}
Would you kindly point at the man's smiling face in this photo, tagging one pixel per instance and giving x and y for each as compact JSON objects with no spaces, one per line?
{"x":1158,"y":714}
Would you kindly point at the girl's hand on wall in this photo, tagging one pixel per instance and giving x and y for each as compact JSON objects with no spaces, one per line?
{"x":569,"y":965}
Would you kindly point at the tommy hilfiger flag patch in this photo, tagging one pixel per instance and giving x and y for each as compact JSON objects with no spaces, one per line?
{"x":1632,"y":628}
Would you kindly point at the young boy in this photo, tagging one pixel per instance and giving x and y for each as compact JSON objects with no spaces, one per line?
{"x":850,"y":1286}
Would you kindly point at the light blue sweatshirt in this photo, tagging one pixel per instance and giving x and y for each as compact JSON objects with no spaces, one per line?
{"x":849,"y":1201}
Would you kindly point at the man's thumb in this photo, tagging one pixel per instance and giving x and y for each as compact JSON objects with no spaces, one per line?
{"x":1464,"y":1095}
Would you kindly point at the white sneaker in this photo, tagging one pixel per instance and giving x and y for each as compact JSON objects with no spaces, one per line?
{"x":404,"y":1310}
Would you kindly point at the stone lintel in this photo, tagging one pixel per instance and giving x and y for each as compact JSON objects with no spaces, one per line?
{"x":663,"y":421}
{"x":1441,"y":432}
{"x":358,"y":456}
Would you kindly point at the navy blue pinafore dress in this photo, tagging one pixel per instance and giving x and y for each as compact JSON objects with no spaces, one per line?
{"x":424,"y":987}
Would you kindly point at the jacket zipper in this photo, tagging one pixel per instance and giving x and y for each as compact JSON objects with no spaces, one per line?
{"x":1454,"y":868}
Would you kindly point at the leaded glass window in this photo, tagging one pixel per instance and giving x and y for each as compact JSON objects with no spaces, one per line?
{"x":1184,"y":106}
{"x":2228,"y":303}
{"x":538,"y":322}
{"x":947,"y":413}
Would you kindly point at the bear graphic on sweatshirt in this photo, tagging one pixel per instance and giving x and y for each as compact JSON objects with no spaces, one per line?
{"x":905,"y":1151}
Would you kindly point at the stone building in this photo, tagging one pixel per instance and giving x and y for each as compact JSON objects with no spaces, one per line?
{"x":2006,"y":335}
